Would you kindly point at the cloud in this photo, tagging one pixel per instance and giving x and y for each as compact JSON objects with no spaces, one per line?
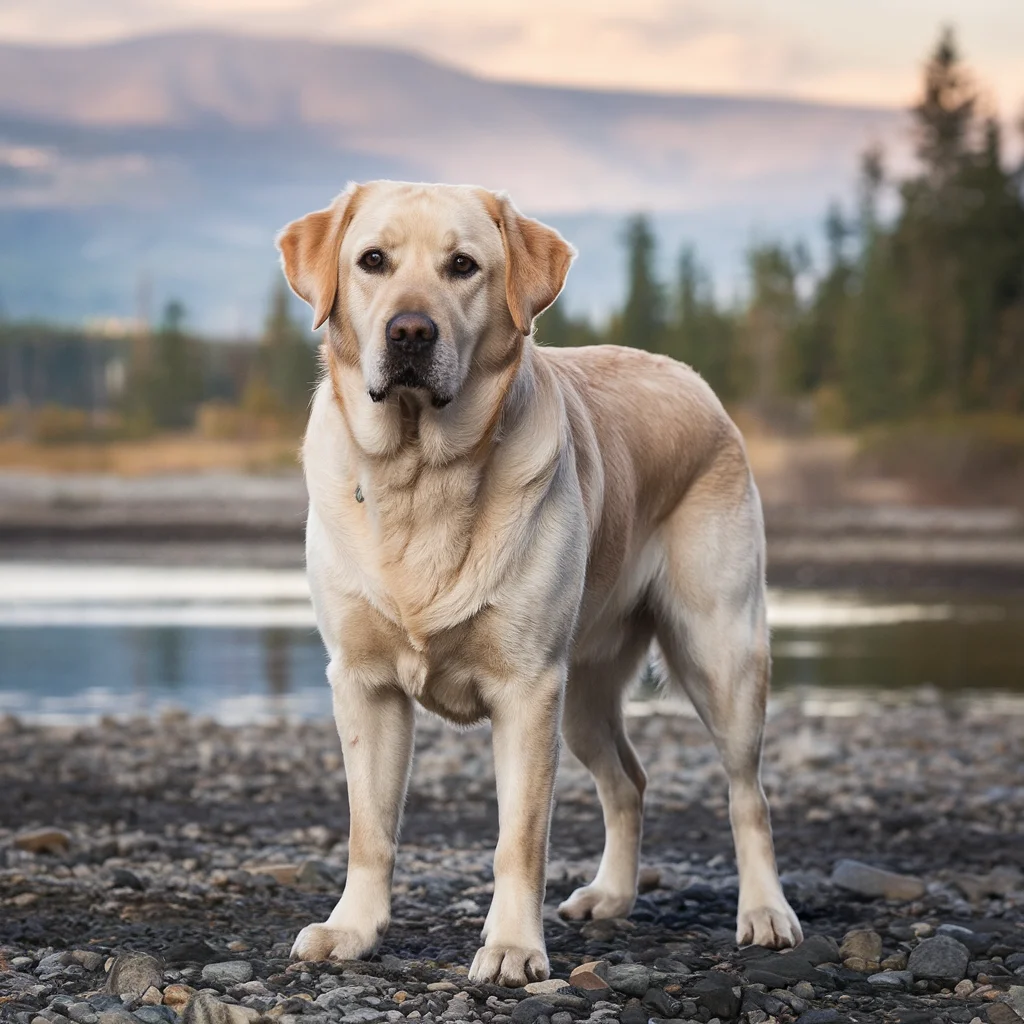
{"x":848,"y":50}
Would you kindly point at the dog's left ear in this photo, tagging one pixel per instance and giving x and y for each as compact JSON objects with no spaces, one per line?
{"x":309,"y":252}
{"x":537,"y":259}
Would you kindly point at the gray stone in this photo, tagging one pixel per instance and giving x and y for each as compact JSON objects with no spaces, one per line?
{"x":1015,"y":997}
{"x":543,"y":988}
{"x":54,"y":963}
{"x":630,"y":979}
{"x":228,"y":972}
{"x":156,"y":1015}
{"x":121,"y":1016}
{"x":896,"y":980}
{"x":823,"y":1016}
{"x":871,"y":881}
{"x":941,"y":959}
{"x":660,"y":1003}
{"x":976,"y":942}
{"x":343,"y":995}
{"x":1003,"y":1013}
{"x":82,"y":1013}
{"x":818,"y":949}
{"x":88,"y":959}
{"x":362,"y":1015}
{"x":530,"y":1009}
{"x":132,"y":973}
{"x":719,"y":995}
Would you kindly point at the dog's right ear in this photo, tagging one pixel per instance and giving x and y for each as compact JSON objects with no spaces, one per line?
{"x":309,"y":250}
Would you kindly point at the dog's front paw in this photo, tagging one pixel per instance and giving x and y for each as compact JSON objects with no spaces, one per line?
{"x":511,"y":966}
{"x":325,"y":942}
{"x":592,"y":901}
{"x":773,"y":925}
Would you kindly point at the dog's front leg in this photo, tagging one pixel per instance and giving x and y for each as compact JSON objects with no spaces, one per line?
{"x":376,"y":730}
{"x":525,"y":727}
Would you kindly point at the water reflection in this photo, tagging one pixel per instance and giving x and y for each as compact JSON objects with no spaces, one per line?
{"x":80,"y":641}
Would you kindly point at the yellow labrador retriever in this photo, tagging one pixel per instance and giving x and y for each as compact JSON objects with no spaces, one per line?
{"x":500,"y":531}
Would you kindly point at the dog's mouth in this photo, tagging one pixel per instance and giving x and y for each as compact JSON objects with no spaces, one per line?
{"x":410,"y":375}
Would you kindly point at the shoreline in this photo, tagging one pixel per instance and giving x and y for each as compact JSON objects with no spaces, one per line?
{"x":202,"y":845}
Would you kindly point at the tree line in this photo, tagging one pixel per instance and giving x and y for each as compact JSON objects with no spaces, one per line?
{"x":920,"y":313}
{"x":66,"y":383}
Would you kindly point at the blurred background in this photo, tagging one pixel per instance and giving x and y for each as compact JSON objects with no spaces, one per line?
{"x":820,"y":207}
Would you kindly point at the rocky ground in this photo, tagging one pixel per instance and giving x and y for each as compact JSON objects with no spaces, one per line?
{"x":157,"y":871}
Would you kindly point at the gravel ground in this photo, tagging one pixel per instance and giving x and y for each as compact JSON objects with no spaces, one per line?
{"x":157,"y":871}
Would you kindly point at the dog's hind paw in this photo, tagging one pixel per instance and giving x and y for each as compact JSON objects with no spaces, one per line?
{"x":592,"y":902}
{"x":774,"y":927}
{"x":511,"y":966}
{"x":322,"y":942}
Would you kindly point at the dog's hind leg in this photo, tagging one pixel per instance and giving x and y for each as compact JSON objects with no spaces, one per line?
{"x":596,"y":734}
{"x":712,"y":631}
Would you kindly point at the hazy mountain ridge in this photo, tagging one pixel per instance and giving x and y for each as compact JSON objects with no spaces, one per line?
{"x":179,"y":156}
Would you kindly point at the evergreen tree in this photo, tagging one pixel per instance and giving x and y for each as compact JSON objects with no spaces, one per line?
{"x":768,"y":369}
{"x":816,"y":338}
{"x":643,"y":316}
{"x":287,"y":362}
{"x":175,"y":378}
{"x":700,"y":334}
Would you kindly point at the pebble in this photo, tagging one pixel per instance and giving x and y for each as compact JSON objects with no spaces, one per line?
{"x":1001,"y":1013}
{"x":228,"y":972}
{"x":132,"y":973}
{"x":43,"y":840}
{"x":176,"y":996}
{"x":540,"y":988}
{"x":940,"y":959}
{"x":530,"y":1009}
{"x":88,"y":959}
{"x":632,"y":979}
{"x":897,"y":980}
{"x":283,"y":874}
{"x":864,"y":946}
{"x":591,"y":976}
{"x":871,"y":881}
{"x":207,"y":891}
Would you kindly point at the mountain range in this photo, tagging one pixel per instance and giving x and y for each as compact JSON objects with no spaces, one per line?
{"x":162,"y":166}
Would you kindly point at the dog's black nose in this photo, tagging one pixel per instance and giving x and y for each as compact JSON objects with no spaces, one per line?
{"x":411,"y":333}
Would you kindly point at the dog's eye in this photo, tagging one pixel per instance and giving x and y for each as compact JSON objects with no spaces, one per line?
{"x":372,"y":259}
{"x":462,"y":265}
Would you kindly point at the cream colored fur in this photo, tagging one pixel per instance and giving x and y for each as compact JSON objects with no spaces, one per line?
{"x":517,"y":552}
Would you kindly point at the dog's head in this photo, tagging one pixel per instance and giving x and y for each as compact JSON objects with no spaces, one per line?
{"x":421,"y":280}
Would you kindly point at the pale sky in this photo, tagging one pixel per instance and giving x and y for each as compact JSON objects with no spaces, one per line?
{"x":842,"y":50}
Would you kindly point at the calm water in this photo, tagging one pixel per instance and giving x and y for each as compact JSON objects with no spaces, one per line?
{"x":82,"y":641}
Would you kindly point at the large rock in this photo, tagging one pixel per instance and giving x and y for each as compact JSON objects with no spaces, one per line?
{"x":941,"y":959}
{"x":132,"y":973}
{"x":871,"y":881}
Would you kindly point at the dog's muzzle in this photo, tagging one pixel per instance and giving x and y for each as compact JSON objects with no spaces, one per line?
{"x":409,"y":356}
